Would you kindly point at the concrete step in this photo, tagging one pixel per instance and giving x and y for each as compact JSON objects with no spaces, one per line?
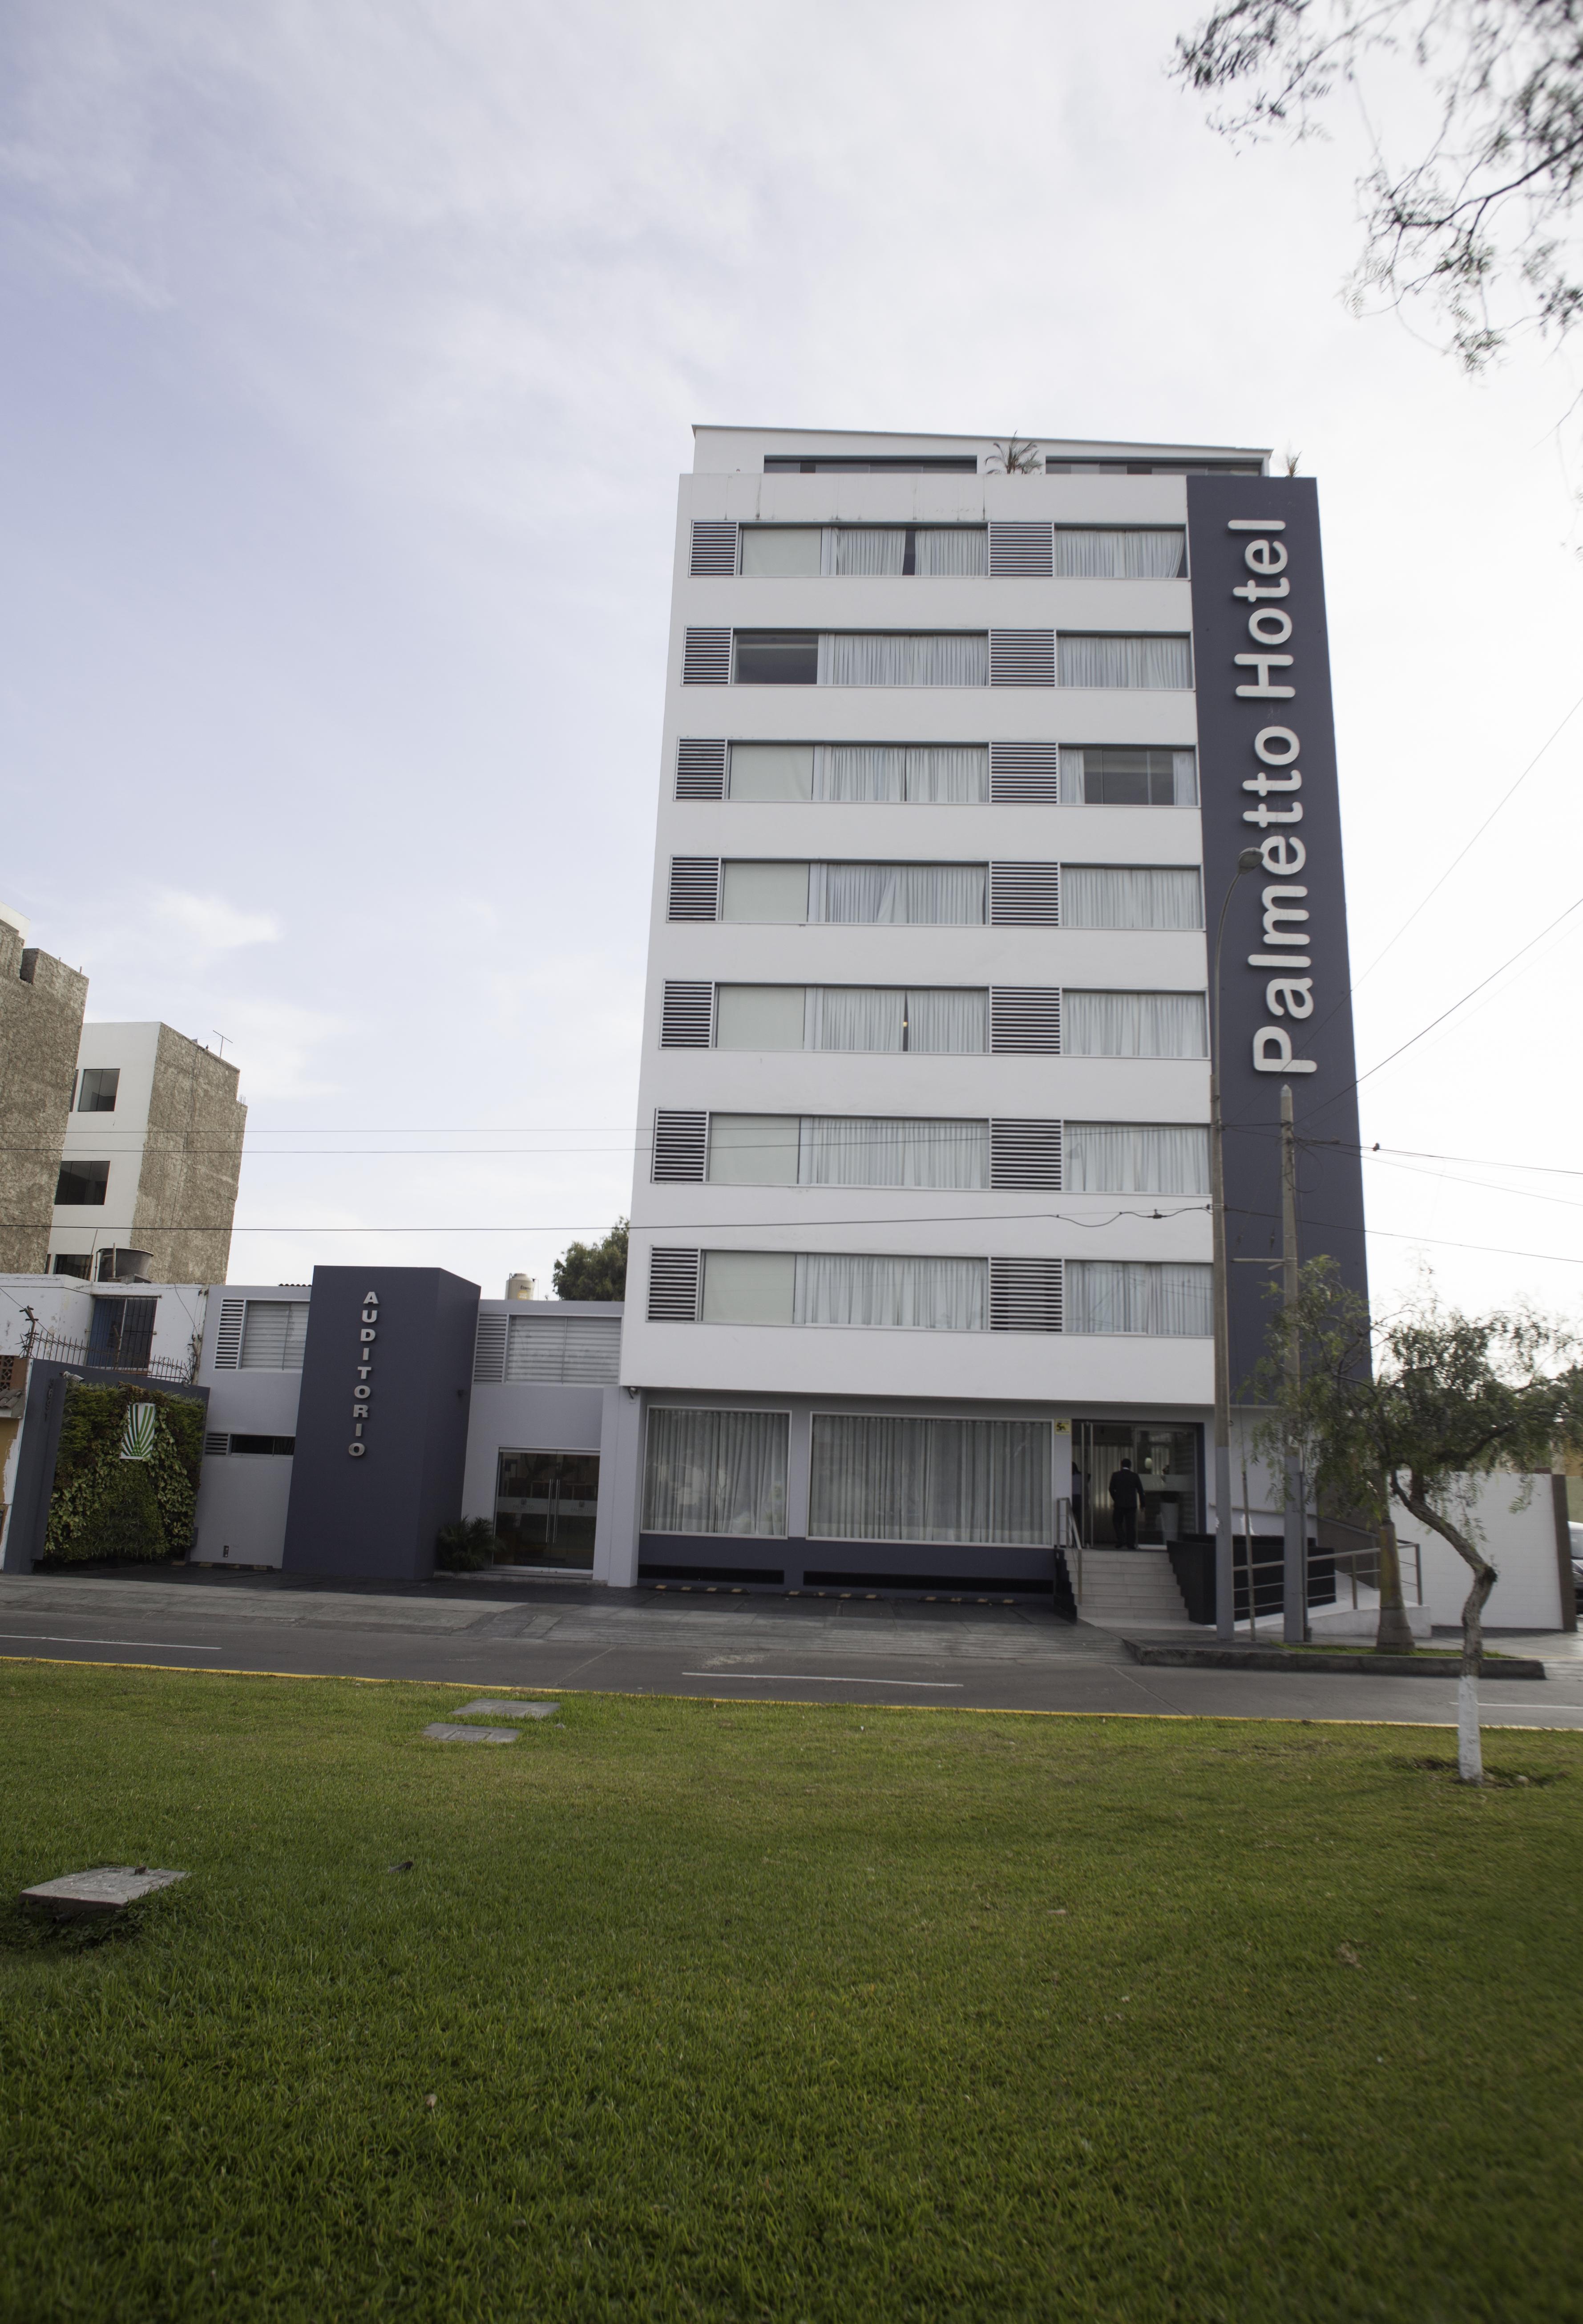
{"x":1128,"y":1589}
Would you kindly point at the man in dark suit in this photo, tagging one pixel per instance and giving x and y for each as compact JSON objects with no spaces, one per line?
{"x":1127,"y":1494}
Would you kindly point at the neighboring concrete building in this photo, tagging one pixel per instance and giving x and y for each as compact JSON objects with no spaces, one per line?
{"x":542,"y":1441}
{"x":921,"y":1238}
{"x":150,"y":1160}
{"x":41,"y":1001}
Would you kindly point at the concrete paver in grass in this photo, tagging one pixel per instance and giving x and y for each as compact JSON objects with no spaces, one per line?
{"x":440,"y":1732}
{"x":509,"y":1710}
{"x":108,"y":1888}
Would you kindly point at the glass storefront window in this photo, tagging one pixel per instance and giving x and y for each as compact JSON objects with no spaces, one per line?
{"x":546,"y":1505}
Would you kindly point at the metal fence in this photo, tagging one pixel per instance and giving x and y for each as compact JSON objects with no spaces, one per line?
{"x":57,"y":1348}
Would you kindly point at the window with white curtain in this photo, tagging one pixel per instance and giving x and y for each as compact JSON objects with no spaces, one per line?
{"x":715,"y":1472}
{"x":788,"y":1149}
{"x":857,"y":1290}
{"x":883,"y":895}
{"x":1130,"y":896}
{"x":1133,"y":1025}
{"x":885,"y":1150}
{"x":1121,"y":555}
{"x":274,"y":1335}
{"x":887,"y":1477}
{"x":1135,"y":1158}
{"x":922,"y":549}
{"x":939,"y":1020}
{"x":928,"y":774}
{"x":903,"y":658}
{"x":1109,"y":776}
{"x":1121,"y":661}
{"x":1157,"y":1298}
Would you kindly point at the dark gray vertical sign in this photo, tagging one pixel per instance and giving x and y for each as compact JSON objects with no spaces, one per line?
{"x":1267,"y":778}
{"x":381,"y":1421}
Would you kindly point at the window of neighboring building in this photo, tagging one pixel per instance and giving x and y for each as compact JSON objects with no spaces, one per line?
{"x":1133,"y":1025}
{"x":1135,"y":1158}
{"x":122,"y":1333}
{"x":79,"y":1263}
{"x":82,"y":1182}
{"x":715,"y":1472}
{"x":274,"y":1335}
{"x":760,"y":1149}
{"x":868,"y":550}
{"x":96,"y":1091}
{"x":875,"y":1020}
{"x":782,"y":551}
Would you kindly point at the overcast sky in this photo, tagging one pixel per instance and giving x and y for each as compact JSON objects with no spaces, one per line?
{"x":351,"y":353}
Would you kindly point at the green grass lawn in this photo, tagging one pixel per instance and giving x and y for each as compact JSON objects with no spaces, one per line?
{"x":747,"y":2011}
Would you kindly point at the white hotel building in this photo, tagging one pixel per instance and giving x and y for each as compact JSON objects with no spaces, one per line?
{"x":921,"y":1243}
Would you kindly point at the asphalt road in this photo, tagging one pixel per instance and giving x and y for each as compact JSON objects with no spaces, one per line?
{"x":485,"y":1634}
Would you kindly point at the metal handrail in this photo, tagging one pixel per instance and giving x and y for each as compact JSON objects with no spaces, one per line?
{"x":55,"y":1348}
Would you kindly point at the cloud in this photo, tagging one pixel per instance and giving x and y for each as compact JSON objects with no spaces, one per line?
{"x":275,"y":1042}
{"x":213,"y":924}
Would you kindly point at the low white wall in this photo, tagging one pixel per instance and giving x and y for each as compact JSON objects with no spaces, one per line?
{"x":1519,"y":1542}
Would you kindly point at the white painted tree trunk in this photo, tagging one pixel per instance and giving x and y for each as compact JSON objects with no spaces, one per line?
{"x":1469,"y":1750}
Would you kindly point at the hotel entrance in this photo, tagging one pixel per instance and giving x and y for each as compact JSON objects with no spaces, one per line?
{"x":1165,"y":1461}
{"x":546,"y":1507}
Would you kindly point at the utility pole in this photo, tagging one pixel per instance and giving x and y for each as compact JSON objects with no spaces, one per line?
{"x":1295,"y":1554}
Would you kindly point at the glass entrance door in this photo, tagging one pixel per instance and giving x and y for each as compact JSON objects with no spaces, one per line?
{"x":544,"y":1508}
{"x":1165,"y":1460}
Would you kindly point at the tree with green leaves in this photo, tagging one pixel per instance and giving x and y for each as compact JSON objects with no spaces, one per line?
{"x":1480,"y":224}
{"x":1416,"y":1412}
{"x":594,"y":1270}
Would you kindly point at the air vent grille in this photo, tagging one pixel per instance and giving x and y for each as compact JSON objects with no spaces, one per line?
{"x":217,"y":1442}
{"x":714,"y":549}
{"x":1025,"y":1020}
{"x":488,"y":1350}
{"x":700,"y":768}
{"x":673,"y":1286}
{"x":681,"y":1148}
{"x":1025,"y":1154}
{"x":1021,"y":547}
{"x":707,"y":658}
{"x":1025,"y":1294}
{"x":1025,"y":895}
{"x":695,"y":888}
{"x":1025,"y":773}
{"x":228,"y":1338}
{"x":1022,"y":656}
{"x":687,"y":1016}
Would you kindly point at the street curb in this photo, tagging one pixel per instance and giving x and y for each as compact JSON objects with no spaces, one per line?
{"x":1364,"y":1665}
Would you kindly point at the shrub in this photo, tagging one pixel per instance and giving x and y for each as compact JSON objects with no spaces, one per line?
{"x":102,"y":1507}
{"x":465,"y":1547}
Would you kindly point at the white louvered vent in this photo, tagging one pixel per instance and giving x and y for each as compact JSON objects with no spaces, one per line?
{"x":488,"y":1349}
{"x":1022,"y":656}
{"x":673,"y":1286}
{"x":695,"y":888}
{"x":681,"y":1148}
{"x":1025,"y":1020}
{"x":1025,"y":773}
{"x":714,"y":547}
{"x":1021,"y":547}
{"x":700,"y":768}
{"x":217,"y":1442}
{"x":687,"y":1016}
{"x":228,"y":1338}
{"x":1025,"y":895}
{"x":1025,"y":1294}
{"x":1025,"y":1154}
{"x":569,"y":1348}
{"x":707,"y":658}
